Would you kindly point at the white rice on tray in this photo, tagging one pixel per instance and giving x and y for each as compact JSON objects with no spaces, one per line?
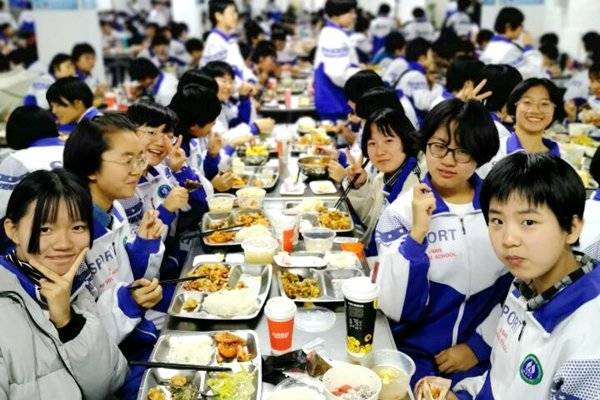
{"x":190,"y":350}
{"x":231,"y":303}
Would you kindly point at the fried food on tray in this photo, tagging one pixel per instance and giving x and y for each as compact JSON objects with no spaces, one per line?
{"x":252,"y":218}
{"x":190,"y":304}
{"x":220,"y":237}
{"x":213,"y":277}
{"x":316,"y":137}
{"x":231,"y":346}
{"x":156,"y":394}
{"x":239,"y":181}
{"x":295,"y":286}
{"x":334,"y":219}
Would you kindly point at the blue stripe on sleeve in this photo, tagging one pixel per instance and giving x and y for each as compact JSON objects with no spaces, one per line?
{"x":139,"y":253}
{"x":127,"y":304}
{"x":211,"y":166}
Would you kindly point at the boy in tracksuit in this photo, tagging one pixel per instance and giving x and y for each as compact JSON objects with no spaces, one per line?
{"x":108,"y":155}
{"x":71,"y":101}
{"x":335,"y":60}
{"x":546,"y":340}
{"x":221,"y":44}
{"x":84,"y":59}
{"x":154,"y":83}
{"x":413,"y":82}
{"x":503,"y":49}
{"x":437,"y":274}
{"x":61,"y":66}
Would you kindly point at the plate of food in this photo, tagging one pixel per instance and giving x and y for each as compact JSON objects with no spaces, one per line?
{"x":209,"y":297}
{"x":238,"y":350}
{"x":238,"y":218}
{"x":314,"y":285}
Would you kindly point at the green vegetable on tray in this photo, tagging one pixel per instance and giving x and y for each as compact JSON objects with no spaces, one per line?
{"x":232,"y":385}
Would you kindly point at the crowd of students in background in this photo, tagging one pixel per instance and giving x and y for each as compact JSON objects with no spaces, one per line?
{"x":481,"y":238}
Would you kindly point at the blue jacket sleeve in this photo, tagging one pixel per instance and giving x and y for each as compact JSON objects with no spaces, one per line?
{"x":139,"y":252}
{"x":244,"y":112}
{"x":417,"y":291}
{"x":211,"y":166}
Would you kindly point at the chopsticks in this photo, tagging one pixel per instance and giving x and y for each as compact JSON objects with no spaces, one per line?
{"x":229,"y":228}
{"x":349,"y":187}
{"x":188,"y":278}
{"x":151,"y":364}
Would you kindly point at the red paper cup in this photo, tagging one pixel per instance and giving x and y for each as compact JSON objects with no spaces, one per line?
{"x":280,"y":312}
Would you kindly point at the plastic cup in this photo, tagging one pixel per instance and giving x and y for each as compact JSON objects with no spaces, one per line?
{"x":286,"y":231}
{"x":280,"y":312}
{"x":259,"y":250}
{"x":395,"y":370}
{"x":357,"y":248}
{"x":360,"y":296}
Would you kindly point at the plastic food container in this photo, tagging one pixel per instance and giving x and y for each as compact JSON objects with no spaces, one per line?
{"x":251,"y":198}
{"x":395,"y":370}
{"x":221,"y":203}
{"x":318,"y":240}
{"x":259,"y":250}
{"x":351,"y":375}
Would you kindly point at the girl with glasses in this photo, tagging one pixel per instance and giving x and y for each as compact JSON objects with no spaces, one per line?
{"x":437,"y":273}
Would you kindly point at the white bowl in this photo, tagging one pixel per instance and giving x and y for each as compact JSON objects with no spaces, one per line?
{"x":221,"y":203}
{"x":251,"y":198}
{"x":353,"y":375}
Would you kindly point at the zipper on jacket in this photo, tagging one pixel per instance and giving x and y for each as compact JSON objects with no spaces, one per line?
{"x":522,"y":329}
{"x":462,"y":225}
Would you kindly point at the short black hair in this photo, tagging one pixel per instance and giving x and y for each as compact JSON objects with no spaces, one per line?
{"x":511,"y":16}
{"x":26,"y":124}
{"x":390,"y":122}
{"x":194,"y":105}
{"x":550,"y":51}
{"x":152,"y":114}
{"x":475,"y":130}
{"x":590,"y":40}
{"x":245,"y":50}
{"x":142,"y":68}
{"x":194,"y":44}
{"x":80,"y":49}
{"x":595,"y":166}
{"x":416,"y":48}
{"x":56,"y":61}
{"x":252,"y":30}
{"x":384,"y":9}
{"x":198,"y":77}
{"x":540,"y":179}
{"x":461,"y":70}
{"x":554,"y":93}
{"x":464,"y":48}
{"x":264,"y":48}
{"x":594,"y":71}
{"x":483,"y":36}
{"x":501,"y":80}
{"x":152,"y":25}
{"x":70,"y":89}
{"x":47,"y":189}
{"x":418,"y":12}
{"x":160,"y":40}
{"x":178,"y":28}
{"x":362,"y":24}
{"x":217,"y":69}
{"x":218,"y":6}
{"x":278,"y":34}
{"x":549,"y":38}
{"x":334,"y":8}
{"x":375,"y":99}
{"x":394,"y":41}
{"x":360,"y":82}
{"x":462,"y":5}
{"x":85,"y":146}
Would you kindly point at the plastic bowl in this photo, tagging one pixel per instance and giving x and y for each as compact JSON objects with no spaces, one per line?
{"x":352,"y":375}
{"x":221,"y":203}
{"x":318,"y":240}
{"x":259,"y":250}
{"x":251,"y":198}
{"x":394,"y":383}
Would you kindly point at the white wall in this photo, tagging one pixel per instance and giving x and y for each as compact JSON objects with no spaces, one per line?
{"x":188,"y":11}
{"x":58,"y":31}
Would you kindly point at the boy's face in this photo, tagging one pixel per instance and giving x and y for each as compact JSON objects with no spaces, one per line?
{"x":228,"y":19}
{"x":86,"y":62}
{"x":202,"y":131}
{"x":347,"y":20}
{"x":528,"y":239}
{"x":225,"y":83}
{"x":71,"y":112}
{"x":196,"y":55}
{"x":122,"y":165}
{"x":156,"y":142}
{"x":64,"y":70}
{"x":595,"y":85}
{"x":268,"y":64}
{"x":161,"y":51}
{"x":279,"y":45}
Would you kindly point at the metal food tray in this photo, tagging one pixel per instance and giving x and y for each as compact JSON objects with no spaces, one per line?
{"x":160,"y":376}
{"x":312,"y":216}
{"x":256,"y":172}
{"x":329,"y":280}
{"x":260,"y":275}
{"x":230,"y":218}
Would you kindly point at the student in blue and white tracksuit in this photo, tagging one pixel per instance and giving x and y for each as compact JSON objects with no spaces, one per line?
{"x":31,"y":131}
{"x":591,"y":218}
{"x":61,"y":66}
{"x":437,"y":274}
{"x":503,"y":49}
{"x":459,"y":21}
{"x":84,"y":58}
{"x":222,"y":43}
{"x":413,"y":81}
{"x":335,"y":61}
{"x":419,"y":27}
{"x":161,"y":86}
{"x":71,"y":101}
{"x":535,"y":104}
{"x":546,"y":341}
{"x":381,"y":26}
{"x":462,"y":73}
{"x":118,"y":259}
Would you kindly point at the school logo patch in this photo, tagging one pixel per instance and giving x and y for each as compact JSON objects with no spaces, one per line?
{"x":531,"y":370}
{"x":163,"y":191}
